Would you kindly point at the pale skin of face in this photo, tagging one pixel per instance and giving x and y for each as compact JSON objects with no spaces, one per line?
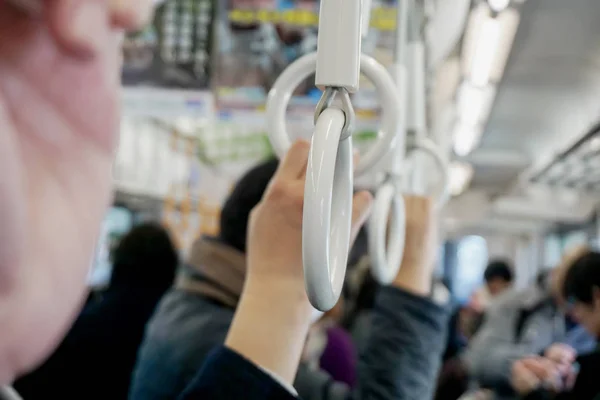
{"x":59,"y":115}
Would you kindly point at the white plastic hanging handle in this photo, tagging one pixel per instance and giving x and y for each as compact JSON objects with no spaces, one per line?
{"x":389,"y":210}
{"x":327,"y":214}
{"x":366,"y":17}
{"x":427,"y":145}
{"x":328,"y":190}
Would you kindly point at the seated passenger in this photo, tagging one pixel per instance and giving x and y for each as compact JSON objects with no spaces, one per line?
{"x":267,"y":335}
{"x":567,"y":378}
{"x":100,"y":350}
{"x":518,"y":324}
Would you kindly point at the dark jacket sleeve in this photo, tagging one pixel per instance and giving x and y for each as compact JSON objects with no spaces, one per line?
{"x":228,"y":376}
{"x":407,"y":337}
{"x":403,"y":356}
{"x":401,"y":361}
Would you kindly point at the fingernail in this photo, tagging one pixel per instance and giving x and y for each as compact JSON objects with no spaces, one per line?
{"x":88,"y":25}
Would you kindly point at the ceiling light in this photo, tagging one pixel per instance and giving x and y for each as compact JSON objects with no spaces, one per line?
{"x":485,"y":52}
{"x":461,"y":175}
{"x":498,"y":5}
{"x":487,"y":44}
{"x":466,"y":138}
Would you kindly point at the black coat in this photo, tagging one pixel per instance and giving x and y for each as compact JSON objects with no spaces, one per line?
{"x":97,"y":357}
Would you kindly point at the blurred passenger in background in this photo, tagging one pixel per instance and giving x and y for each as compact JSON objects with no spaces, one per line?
{"x":97,"y":357}
{"x":358,"y":320}
{"x":338,"y":356}
{"x":522,"y":323}
{"x":498,"y":277}
{"x":195,"y":316}
{"x":541,"y":378}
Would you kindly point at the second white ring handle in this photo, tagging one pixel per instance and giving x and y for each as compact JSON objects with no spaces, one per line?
{"x":389,"y":208}
{"x":428,"y":146}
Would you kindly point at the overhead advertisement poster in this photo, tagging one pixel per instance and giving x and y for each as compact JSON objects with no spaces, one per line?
{"x":174,"y":51}
{"x":258,"y":39}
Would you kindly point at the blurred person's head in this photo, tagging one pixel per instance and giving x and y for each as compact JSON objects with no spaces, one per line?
{"x":245,"y":196}
{"x":145,"y":257}
{"x":498,"y":277}
{"x":581,"y":288}
{"x":557,"y":277}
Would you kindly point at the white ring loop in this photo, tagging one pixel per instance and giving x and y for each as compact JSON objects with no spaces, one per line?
{"x":302,"y":68}
{"x":327,"y":215}
{"x":385,"y":268}
{"x":428,"y":146}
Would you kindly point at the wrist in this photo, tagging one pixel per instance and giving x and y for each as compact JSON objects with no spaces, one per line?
{"x":414,"y":278}
{"x":270,"y":326}
{"x":282,"y":298}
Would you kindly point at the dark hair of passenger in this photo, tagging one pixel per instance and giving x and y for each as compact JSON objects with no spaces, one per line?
{"x":498,"y":269}
{"x":360,"y":248}
{"x":582,"y":278}
{"x":145,"y":257}
{"x":245,"y":196}
{"x":365,"y":299}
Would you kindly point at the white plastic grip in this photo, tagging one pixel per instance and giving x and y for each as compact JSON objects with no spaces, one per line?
{"x":327,"y":215}
{"x":366,"y":17}
{"x":417,"y":118}
{"x":339,"y":44}
{"x":398,"y":153}
{"x":389,"y":208}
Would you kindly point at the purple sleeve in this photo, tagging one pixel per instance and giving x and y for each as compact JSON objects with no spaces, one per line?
{"x":339,"y":357}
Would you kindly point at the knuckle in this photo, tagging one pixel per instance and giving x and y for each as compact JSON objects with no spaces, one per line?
{"x":279,"y":190}
{"x":300,"y":146}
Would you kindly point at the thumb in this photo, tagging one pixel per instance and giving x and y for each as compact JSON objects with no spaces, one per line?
{"x":361,"y":209}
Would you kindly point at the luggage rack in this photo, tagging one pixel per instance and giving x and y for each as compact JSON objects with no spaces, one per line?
{"x":577,"y":168}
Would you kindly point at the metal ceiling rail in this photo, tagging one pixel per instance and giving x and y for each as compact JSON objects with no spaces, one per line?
{"x":561,"y":157}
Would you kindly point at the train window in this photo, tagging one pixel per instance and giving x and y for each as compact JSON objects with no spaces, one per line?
{"x":552,"y":251}
{"x":472,"y":258}
{"x":574,"y":238}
